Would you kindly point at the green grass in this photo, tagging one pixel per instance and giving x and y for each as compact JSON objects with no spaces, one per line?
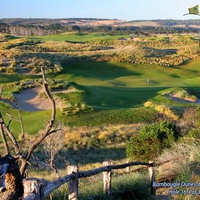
{"x":115,"y":116}
{"x":7,"y":78}
{"x":130,"y":75}
{"x":118,"y":85}
{"x":125,"y":186}
{"x":33,"y":121}
{"x":4,"y":78}
{"x":116,"y":90}
{"x":128,"y":186}
{"x":74,"y":37}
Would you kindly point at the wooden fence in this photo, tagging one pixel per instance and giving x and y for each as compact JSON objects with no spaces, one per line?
{"x":38,"y":189}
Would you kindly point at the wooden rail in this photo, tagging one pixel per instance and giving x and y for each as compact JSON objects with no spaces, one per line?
{"x":36,"y":189}
{"x":109,"y":168}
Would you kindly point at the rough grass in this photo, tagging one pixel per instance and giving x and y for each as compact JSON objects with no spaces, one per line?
{"x":116,"y":116}
{"x":128,"y":187}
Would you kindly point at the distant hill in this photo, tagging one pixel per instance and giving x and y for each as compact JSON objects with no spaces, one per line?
{"x":97,"y":22}
{"x":32,"y":26}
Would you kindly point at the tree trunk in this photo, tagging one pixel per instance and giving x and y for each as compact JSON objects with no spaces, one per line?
{"x":14,"y":186}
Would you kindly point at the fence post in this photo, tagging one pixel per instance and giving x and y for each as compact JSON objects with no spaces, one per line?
{"x":32,"y":186}
{"x":107,"y":175}
{"x":127,"y":168}
{"x":152,"y":178}
{"x":73,"y":184}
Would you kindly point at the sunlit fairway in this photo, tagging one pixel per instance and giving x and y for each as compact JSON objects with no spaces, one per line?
{"x":119,"y":85}
{"x":75,"y":37}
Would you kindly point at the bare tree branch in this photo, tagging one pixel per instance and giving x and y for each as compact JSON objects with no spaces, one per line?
{"x":10,"y":135}
{"x":52,"y":165}
{"x":20,"y":121}
{"x":4,"y":138}
{"x":48,"y":128}
{"x":52,"y":146}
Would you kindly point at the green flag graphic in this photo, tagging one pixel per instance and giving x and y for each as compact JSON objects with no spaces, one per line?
{"x":193,"y":10}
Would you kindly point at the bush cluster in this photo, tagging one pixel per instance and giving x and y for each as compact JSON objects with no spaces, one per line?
{"x":163,"y":110}
{"x":152,"y":140}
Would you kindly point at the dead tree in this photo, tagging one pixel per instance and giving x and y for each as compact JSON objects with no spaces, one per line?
{"x":14,"y":164}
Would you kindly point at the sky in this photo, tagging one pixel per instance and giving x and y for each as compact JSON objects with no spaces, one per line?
{"x":106,"y":9}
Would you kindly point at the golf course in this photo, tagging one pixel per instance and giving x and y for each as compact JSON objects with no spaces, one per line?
{"x":113,"y":93}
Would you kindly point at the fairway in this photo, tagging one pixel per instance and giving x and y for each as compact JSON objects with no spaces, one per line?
{"x":78,"y":37}
{"x":120,"y":85}
{"x":130,"y":75}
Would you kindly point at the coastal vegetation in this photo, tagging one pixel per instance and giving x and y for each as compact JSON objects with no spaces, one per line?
{"x":119,"y":96}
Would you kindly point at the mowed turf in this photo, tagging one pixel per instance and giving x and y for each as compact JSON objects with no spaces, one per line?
{"x":119,"y":85}
{"x":75,"y":37}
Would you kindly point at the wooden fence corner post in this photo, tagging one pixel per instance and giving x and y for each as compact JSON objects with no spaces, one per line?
{"x":107,"y":175}
{"x":152,"y":178}
{"x":33,"y":188}
{"x":73,"y":184}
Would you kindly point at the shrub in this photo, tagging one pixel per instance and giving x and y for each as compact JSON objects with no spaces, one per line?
{"x":162,"y":109}
{"x":152,"y":140}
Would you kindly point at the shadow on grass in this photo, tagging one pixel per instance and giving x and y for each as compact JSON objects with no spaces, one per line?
{"x":99,"y":70}
{"x":94,"y":155}
{"x":82,"y":156}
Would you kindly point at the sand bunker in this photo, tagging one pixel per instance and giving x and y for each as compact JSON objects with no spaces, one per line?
{"x":29,"y":100}
{"x":180,"y":100}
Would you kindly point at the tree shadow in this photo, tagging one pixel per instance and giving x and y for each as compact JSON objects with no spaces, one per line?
{"x":81,"y":156}
{"x":94,"y":155}
{"x":99,"y":70}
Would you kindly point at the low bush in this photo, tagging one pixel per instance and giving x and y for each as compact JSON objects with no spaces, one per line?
{"x":162,"y":109}
{"x":152,"y":140}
